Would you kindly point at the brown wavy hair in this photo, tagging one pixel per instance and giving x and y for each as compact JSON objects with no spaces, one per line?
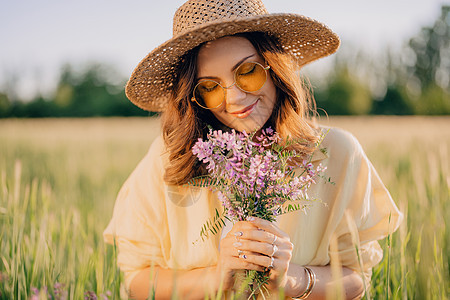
{"x":184,"y":122}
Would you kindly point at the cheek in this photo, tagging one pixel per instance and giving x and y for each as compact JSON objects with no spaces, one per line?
{"x":270,"y":98}
{"x":222,"y":117}
{"x":272,"y":91}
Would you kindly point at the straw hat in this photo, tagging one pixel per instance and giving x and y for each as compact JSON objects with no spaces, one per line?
{"x":199,"y":21}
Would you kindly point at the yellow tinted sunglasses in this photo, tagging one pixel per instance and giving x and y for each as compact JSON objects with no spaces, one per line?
{"x":249,"y":77}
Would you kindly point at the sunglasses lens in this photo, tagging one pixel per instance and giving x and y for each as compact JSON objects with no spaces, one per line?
{"x":209,"y":94}
{"x":250,"y":76}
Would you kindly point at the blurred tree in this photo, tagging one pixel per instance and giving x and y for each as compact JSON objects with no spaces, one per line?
{"x":64,"y":91}
{"x":429,"y":73}
{"x":433,"y":100}
{"x":394,"y":102}
{"x":5,"y":105}
{"x":95,"y":90}
{"x":419,"y":84}
{"x":38,"y":108}
{"x":431,"y":48}
{"x":344,"y":95}
{"x":90,"y":90}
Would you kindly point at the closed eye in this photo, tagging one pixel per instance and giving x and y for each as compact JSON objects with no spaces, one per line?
{"x":207,"y":86}
{"x":247,"y":71}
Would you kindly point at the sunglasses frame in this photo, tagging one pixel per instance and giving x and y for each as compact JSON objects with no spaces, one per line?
{"x":193,"y":99}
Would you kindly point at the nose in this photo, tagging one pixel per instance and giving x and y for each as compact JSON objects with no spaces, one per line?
{"x":234,"y":95}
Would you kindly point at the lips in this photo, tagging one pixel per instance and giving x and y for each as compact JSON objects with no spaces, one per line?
{"x":245,"y":112}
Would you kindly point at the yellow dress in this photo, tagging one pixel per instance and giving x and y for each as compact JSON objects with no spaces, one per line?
{"x":158,"y":224}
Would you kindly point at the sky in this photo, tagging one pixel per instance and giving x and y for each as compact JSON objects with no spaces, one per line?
{"x":38,"y":36}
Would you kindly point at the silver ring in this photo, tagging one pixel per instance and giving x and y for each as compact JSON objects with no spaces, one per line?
{"x":275,"y":249}
{"x":275,"y":239}
{"x":271,"y":262}
{"x":240,"y":252}
{"x":238,"y":234}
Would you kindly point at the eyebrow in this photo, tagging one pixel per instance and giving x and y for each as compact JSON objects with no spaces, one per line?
{"x":241,"y":61}
{"x":232,"y":69}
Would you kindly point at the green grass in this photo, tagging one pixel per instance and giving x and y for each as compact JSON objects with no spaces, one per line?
{"x":59,"y":179}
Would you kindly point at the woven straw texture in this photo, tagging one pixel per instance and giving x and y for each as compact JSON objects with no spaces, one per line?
{"x":199,"y":21}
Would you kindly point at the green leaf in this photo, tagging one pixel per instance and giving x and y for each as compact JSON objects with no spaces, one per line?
{"x":292,"y":207}
{"x":202,"y":181}
{"x":213,"y":226}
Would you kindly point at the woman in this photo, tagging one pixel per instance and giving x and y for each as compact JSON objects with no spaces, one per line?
{"x":232,"y":65}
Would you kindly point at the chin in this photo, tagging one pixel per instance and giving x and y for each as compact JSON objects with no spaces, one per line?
{"x":247,"y":125}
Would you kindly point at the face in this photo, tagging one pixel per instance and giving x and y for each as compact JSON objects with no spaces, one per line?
{"x":217,"y":60}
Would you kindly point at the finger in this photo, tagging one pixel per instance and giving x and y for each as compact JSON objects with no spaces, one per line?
{"x":268,"y":226}
{"x":258,"y":235}
{"x":260,"y":260}
{"x":243,"y":225}
{"x":240,"y":227}
{"x":244,"y":253}
{"x":243,"y":263}
{"x":254,"y":248}
{"x":280,"y":255}
{"x":257,"y":247}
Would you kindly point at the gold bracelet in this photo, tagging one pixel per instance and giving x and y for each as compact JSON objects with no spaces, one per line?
{"x":310,"y":286}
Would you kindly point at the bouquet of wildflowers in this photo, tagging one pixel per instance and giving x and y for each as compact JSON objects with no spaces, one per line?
{"x":253,"y":176}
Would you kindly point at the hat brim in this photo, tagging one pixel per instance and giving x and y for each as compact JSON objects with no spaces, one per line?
{"x":306,"y":39}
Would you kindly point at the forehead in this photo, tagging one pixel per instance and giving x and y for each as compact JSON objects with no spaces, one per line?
{"x":224,"y":53}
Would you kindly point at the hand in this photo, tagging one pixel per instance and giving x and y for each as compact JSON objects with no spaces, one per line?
{"x":230,"y":257}
{"x":260,"y":245}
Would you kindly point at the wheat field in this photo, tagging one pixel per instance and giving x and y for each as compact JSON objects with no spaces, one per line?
{"x":59,"y":179}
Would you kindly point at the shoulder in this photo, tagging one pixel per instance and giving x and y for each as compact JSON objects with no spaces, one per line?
{"x":340,"y":143}
{"x":157,"y":151}
{"x":151,"y":164}
{"x":157,"y":147}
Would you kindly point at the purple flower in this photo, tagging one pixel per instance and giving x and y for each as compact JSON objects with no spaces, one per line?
{"x":252,"y":176}
{"x":106,"y":295}
{"x":203,"y":150}
{"x":36,"y":293}
{"x":58,"y":290}
{"x":90,"y":295}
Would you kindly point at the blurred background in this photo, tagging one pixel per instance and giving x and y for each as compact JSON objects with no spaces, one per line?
{"x":59,"y":176}
{"x":72,"y":59}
